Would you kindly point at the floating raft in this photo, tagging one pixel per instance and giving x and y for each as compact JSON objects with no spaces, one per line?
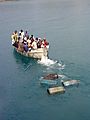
{"x":55,"y":90}
{"x":48,"y":82}
{"x":70,"y":82}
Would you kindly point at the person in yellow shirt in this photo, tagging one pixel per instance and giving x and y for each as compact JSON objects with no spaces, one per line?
{"x":16,"y":36}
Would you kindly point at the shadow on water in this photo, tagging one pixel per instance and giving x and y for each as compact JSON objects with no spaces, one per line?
{"x":24,"y":61}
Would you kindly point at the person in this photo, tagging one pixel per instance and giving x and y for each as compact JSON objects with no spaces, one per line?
{"x":32,"y":38}
{"x":39,"y":43}
{"x":25,"y":39}
{"x":20,"y":47}
{"x":20,"y":38}
{"x":36,"y":39}
{"x":22,"y":33}
{"x":29,"y":43}
{"x":16,"y":36}
{"x":26,"y":34}
{"x":12,"y":38}
{"x":45,"y":43}
{"x":34,"y":44}
{"x":25,"y":47}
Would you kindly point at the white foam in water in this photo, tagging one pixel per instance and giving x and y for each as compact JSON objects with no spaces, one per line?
{"x":48,"y":62}
{"x":62,"y":66}
{"x":62,"y":76}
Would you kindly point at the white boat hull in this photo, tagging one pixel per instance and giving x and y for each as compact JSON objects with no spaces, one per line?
{"x":37,"y":53}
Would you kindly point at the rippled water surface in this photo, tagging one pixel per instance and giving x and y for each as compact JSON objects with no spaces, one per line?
{"x":66,"y":25}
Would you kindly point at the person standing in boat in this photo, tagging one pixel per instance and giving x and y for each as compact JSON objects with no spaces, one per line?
{"x":32,"y":38}
{"x":39,"y":43}
{"x":34,"y":44}
{"x":14,"y":38}
{"x":29,"y":43}
{"x":20,"y":38}
{"x":45,"y":44}
{"x":26,"y":34}
{"x":22,"y":33}
{"x":20,"y":44}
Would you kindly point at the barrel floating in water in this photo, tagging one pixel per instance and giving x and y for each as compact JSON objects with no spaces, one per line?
{"x":70,"y":82}
{"x":55,"y":90}
{"x":48,"y":82}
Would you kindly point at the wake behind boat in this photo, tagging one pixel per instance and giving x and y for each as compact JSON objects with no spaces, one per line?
{"x":29,"y":45}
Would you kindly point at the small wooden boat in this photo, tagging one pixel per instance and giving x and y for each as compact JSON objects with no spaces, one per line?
{"x":48,"y":82}
{"x":37,"y":53}
{"x":55,"y":90}
{"x":70,"y":82}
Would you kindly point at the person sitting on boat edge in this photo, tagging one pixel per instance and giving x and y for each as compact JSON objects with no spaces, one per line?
{"x":22,"y":33}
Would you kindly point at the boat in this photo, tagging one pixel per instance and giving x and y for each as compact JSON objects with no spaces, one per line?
{"x":54,"y":90}
{"x":70,"y":82}
{"x":29,"y":47}
{"x":34,"y":53}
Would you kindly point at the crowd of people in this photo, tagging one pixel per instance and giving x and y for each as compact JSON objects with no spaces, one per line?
{"x":25,"y":42}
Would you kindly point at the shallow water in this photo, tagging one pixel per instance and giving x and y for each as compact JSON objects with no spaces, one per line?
{"x":65,"y":23}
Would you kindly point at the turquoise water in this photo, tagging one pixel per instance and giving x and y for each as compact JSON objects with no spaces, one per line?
{"x":66,"y":25}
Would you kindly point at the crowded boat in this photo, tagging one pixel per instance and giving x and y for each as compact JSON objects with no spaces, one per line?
{"x":29,"y":45}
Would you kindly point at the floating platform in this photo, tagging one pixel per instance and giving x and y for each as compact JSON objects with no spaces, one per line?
{"x":48,"y":82}
{"x":55,"y":90}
